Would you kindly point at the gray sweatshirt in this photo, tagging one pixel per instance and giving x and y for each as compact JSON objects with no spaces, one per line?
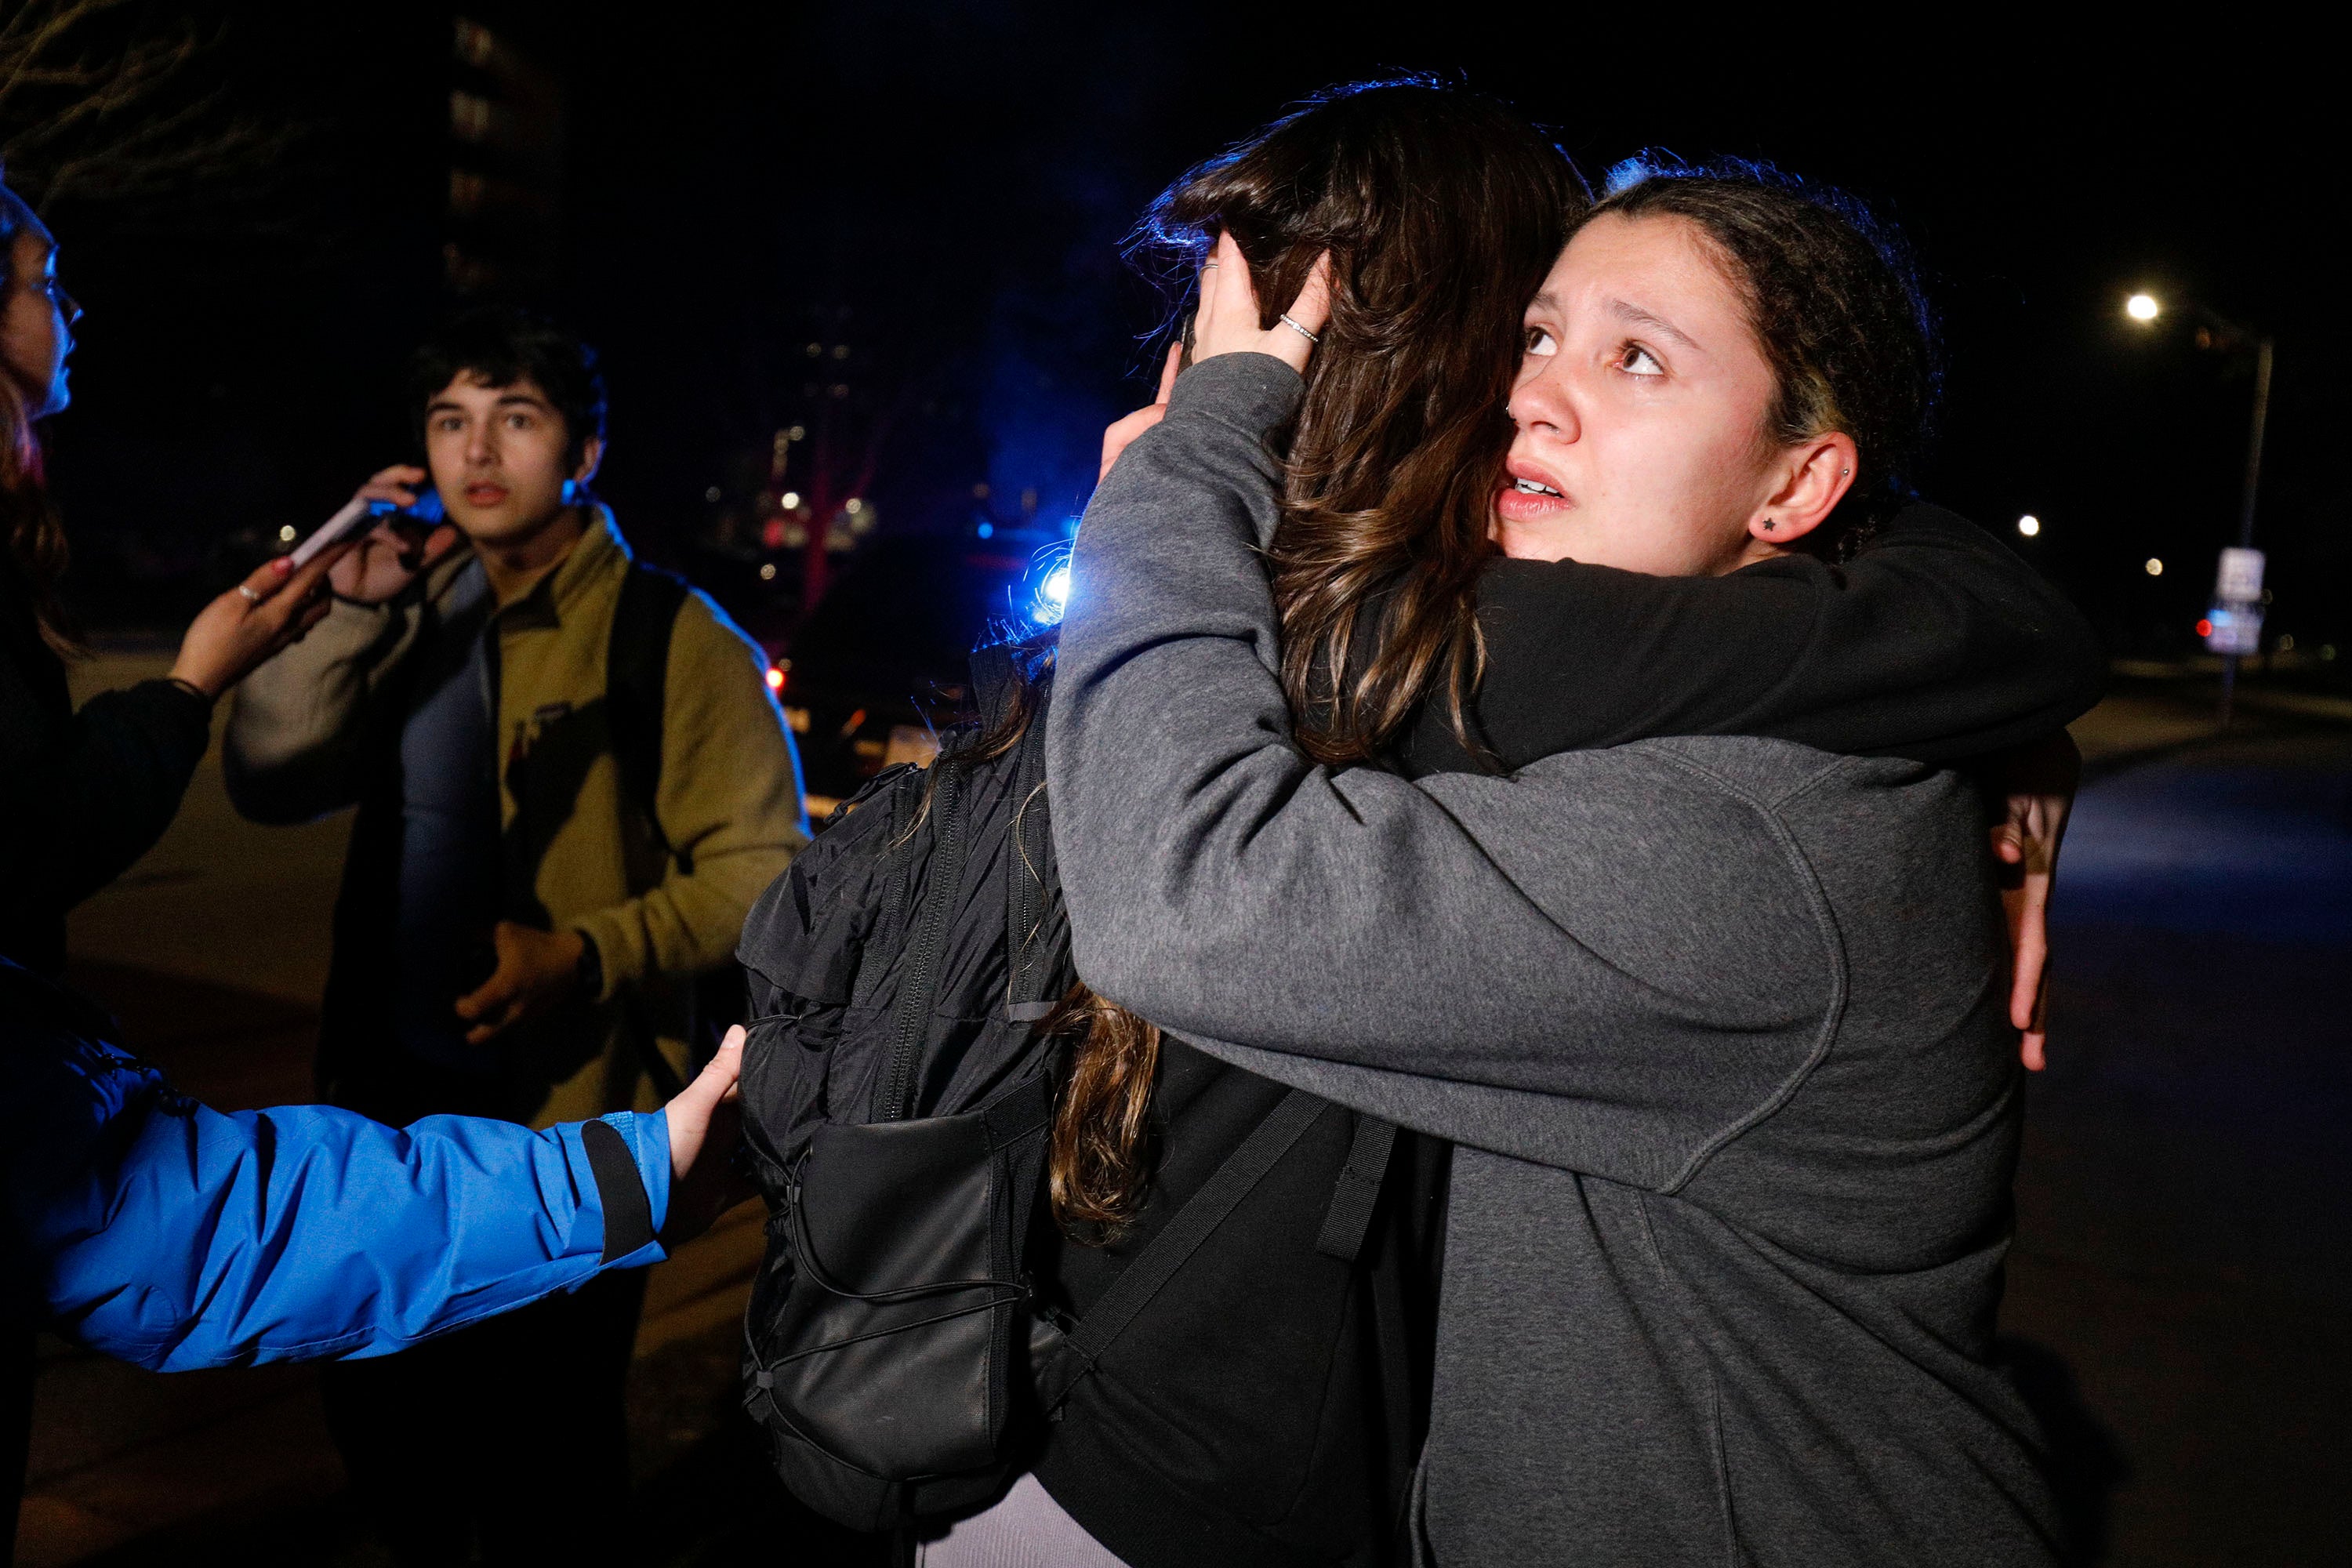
{"x":1717,"y":1025}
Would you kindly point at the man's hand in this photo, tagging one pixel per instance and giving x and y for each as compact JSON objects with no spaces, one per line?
{"x":2038,"y":783}
{"x":705,"y":1126}
{"x":392,"y":554}
{"x":537,"y":971}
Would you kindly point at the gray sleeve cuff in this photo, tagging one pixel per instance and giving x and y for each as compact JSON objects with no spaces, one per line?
{"x":1249,"y":393}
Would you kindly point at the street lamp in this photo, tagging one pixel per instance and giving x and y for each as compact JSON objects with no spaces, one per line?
{"x":2239,"y":585}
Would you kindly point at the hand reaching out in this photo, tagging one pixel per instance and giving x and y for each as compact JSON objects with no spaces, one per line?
{"x":705,"y":1124}
{"x":2038,"y":783}
{"x":253,"y":621}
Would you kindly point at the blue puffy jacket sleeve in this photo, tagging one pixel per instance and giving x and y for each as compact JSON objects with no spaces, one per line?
{"x":153,"y":1228}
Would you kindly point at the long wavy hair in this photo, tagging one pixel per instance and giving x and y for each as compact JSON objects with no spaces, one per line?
{"x":28,"y":519}
{"x":1442,"y":212}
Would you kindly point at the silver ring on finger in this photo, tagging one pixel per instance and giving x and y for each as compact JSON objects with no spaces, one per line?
{"x":250,"y":597}
{"x":1295,"y":327}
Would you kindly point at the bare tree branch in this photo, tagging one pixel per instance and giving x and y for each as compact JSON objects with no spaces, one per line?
{"x":93,"y":108}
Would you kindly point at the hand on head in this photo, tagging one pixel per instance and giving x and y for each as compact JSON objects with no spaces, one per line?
{"x":1227,"y":323}
{"x":397,"y":551}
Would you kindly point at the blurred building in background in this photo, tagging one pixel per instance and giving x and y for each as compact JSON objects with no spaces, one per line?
{"x":506,"y":169}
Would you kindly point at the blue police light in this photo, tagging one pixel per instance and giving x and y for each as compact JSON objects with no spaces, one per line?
{"x":985,"y":530}
{"x":1053,"y":596}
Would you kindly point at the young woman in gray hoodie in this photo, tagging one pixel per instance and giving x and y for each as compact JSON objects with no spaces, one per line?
{"x":1719,"y":1025}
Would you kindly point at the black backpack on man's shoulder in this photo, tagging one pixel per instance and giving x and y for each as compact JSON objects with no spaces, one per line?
{"x":898,"y":1100}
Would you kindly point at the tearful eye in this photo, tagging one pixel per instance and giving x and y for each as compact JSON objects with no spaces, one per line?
{"x":1539,"y":343}
{"x":1635,"y":359}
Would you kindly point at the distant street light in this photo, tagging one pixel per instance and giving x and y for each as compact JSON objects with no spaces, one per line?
{"x":2239,"y":623}
{"x":2029,"y":525}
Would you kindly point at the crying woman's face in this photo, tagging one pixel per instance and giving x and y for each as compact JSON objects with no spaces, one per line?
{"x":1641,"y":408}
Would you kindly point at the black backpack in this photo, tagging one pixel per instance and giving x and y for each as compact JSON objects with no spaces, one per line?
{"x":898,"y":1101}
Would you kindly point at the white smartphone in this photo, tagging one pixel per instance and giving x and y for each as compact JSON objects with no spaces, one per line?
{"x":362,"y":514}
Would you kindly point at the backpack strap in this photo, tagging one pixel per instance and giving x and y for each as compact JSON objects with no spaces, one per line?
{"x":636,"y":682}
{"x":1357,"y":1189}
{"x":1173,"y":1248}
{"x":636,"y":678}
{"x":1032,"y":960}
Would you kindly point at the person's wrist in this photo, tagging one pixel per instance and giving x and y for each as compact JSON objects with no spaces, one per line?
{"x":588,"y":969}
{"x":192,"y":677}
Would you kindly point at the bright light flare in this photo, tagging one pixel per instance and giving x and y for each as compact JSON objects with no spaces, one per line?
{"x":1055,"y":589}
{"x":2142,"y":308}
{"x":775,"y":678}
{"x":2153,"y":568}
{"x":2029,"y":525}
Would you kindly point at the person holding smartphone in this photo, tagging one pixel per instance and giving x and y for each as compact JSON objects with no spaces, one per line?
{"x":84,"y":793}
{"x":572,"y":781}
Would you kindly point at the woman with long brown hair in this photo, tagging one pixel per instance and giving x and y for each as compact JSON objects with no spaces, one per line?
{"x":1719,"y":1022}
{"x":1260,"y":1416}
{"x":85,"y":793}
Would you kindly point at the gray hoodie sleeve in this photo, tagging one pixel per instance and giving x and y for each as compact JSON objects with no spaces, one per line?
{"x":292,"y":751}
{"x":1559,"y":966}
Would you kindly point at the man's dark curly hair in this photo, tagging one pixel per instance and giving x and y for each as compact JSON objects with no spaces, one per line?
{"x":502,"y":346}
{"x":1834,"y":297}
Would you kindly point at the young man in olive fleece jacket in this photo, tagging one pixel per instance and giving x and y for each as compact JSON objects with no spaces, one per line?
{"x":1716,"y":1025}
{"x":514,"y":938}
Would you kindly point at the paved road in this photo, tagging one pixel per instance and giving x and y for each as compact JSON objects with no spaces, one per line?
{"x":2182,"y":1292}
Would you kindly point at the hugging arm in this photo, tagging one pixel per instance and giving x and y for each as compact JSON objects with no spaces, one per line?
{"x":1935,"y":643}
{"x":1556,"y":1001}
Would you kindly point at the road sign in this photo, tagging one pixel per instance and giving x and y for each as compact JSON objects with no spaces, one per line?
{"x":2235,"y":621}
{"x":2239,"y":579}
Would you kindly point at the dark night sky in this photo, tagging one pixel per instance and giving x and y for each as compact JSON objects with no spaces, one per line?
{"x":958,"y":177}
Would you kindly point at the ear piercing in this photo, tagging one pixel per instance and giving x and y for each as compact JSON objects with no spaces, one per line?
{"x":1769,"y":525}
